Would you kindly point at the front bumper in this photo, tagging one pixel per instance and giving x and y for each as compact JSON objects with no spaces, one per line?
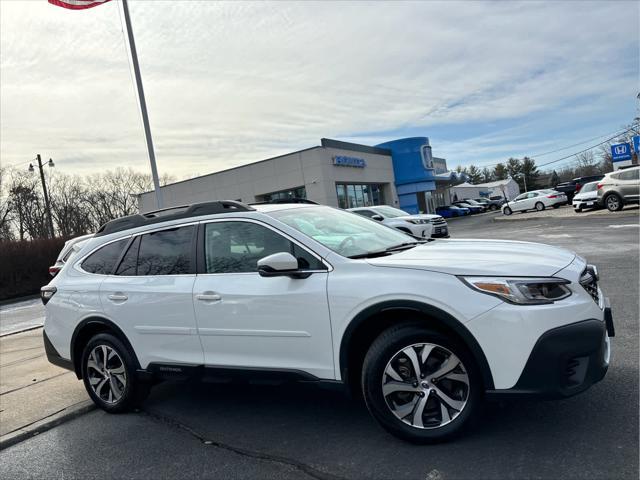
{"x":565,"y":361}
{"x":441,"y":231}
{"x":591,"y":203}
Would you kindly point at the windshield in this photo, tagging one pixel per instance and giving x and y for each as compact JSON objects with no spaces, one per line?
{"x":343,"y":232}
{"x":589,"y":187}
{"x":390,"y":212}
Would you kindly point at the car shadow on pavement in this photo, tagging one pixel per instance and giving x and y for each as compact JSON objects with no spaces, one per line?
{"x":327,"y":430}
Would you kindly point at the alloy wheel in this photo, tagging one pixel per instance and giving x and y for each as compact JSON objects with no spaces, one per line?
{"x":107,"y":374}
{"x":612,"y":202}
{"x":425,"y":385}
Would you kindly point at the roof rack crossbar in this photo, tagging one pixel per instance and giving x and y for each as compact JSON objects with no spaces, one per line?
{"x":184,"y":211}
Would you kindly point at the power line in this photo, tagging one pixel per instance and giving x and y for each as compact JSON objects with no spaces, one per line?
{"x":618,"y":132}
{"x":587,"y":149}
{"x":621,"y":132}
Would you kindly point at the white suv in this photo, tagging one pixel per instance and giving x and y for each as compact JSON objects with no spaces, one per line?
{"x":422,"y":225}
{"x":319,"y":294}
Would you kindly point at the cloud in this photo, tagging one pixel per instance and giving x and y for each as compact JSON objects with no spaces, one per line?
{"x":230,"y":83}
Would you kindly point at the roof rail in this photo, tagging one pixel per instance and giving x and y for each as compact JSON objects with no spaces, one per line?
{"x":285,"y":200}
{"x":171,"y":213}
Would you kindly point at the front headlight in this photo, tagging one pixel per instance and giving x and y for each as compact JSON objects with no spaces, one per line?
{"x":418,"y":221}
{"x":521,"y":290}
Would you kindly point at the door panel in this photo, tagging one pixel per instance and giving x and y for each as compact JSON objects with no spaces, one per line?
{"x":246,"y":320}
{"x":151,"y":297}
{"x":156,"y":315}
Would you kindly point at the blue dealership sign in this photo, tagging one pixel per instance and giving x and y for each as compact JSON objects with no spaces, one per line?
{"x":636,"y":144}
{"x":620,"y":152}
{"x":344,"y":161}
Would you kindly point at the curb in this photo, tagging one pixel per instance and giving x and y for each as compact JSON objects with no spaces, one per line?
{"x":10,"y":301}
{"x":576,"y":217}
{"x":47,"y":423}
{"x":21,"y":331}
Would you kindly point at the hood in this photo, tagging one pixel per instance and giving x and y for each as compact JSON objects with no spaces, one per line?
{"x":481,"y":257}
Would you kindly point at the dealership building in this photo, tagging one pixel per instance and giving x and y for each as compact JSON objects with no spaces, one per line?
{"x":402,"y":173}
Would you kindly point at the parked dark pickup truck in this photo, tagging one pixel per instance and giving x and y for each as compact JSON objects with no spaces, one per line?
{"x":574,"y":186}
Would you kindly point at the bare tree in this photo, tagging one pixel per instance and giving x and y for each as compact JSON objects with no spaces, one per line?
{"x":6,"y":207}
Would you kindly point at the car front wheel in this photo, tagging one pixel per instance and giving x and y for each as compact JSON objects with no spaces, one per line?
{"x":539,"y":206}
{"x":420,"y":385}
{"x":507,"y":211}
{"x":109,"y":374}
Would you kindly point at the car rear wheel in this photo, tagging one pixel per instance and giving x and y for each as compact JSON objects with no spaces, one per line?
{"x":420,"y":385}
{"x":507,"y":211}
{"x":613,"y":202}
{"x":109,"y":374}
{"x":539,"y":206}
{"x":493,"y":207}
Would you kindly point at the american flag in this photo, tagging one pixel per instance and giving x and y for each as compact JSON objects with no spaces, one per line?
{"x":77,"y":4}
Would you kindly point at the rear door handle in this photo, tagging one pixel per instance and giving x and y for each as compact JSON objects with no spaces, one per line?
{"x":118,"y":297}
{"x":208,"y":297}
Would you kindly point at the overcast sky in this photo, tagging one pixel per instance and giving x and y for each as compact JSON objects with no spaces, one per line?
{"x":232,"y":83}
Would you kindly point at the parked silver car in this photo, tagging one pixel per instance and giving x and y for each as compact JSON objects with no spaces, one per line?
{"x":618,"y":188}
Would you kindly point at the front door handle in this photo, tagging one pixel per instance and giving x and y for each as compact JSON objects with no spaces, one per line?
{"x":118,"y":297}
{"x":208,"y":297}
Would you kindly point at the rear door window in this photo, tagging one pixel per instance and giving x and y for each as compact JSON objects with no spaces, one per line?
{"x":167,"y":252}
{"x":103,"y":260}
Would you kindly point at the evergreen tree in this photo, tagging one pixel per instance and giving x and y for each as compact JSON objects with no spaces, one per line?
{"x":500,"y":172}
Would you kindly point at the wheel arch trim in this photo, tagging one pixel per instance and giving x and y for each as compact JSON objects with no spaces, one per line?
{"x":97,"y":320}
{"x":436,"y":313}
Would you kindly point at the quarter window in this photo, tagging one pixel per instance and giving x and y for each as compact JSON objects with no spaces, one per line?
{"x":103,"y":260}
{"x":167,"y":252}
{"x":236,"y":247}
{"x":629,"y":175}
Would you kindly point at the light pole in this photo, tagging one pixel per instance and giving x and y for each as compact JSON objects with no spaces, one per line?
{"x":44,"y":190}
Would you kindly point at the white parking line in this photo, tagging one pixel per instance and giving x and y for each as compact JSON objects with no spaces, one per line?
{"x":625,"y":225}
{"x":556,"y":235}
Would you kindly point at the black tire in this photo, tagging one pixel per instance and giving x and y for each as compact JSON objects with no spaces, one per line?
{"x":507,"y":211}
{"x":556,"y":206}
{"x":133,"y":391}
{"x":539,"y":206}
{"x":387,"y":347}
{"x":578,"y":210}
{"x":493,"y":207}
{"x":613,"y":202}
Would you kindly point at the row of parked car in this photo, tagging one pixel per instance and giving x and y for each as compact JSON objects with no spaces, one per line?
{"x":612,"y":191}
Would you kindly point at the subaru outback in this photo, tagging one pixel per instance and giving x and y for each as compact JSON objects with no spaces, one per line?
{"x":315,"y":293}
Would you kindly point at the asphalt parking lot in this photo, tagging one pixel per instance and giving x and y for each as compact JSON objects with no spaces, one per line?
{"x":190,"y":430}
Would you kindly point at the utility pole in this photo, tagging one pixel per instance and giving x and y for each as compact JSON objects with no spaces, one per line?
{"x":46,"y":194}
{"x":524,"y":178}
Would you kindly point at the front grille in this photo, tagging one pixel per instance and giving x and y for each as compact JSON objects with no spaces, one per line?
{"x":438,"y":221}
{"x":589,"y":281}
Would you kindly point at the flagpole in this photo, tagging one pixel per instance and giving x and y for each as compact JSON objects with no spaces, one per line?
{"x":143,"y":105}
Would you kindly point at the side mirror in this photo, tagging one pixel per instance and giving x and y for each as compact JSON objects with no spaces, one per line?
{"x":378,"y":218}
{"x":281,"y":264}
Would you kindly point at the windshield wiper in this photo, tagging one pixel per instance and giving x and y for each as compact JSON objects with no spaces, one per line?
{"x":388,"y":251}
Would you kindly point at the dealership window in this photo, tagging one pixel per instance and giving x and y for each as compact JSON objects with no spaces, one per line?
{"x":299,"y":192}
{"x":359,"y":195}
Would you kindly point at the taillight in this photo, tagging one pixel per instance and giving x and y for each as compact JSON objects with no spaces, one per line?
{"x":552,"y":196}
{"x":599,"y":186}
{"x":578,"y":187}
{"x":46,"y":293}
{"x":53,"y":270}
